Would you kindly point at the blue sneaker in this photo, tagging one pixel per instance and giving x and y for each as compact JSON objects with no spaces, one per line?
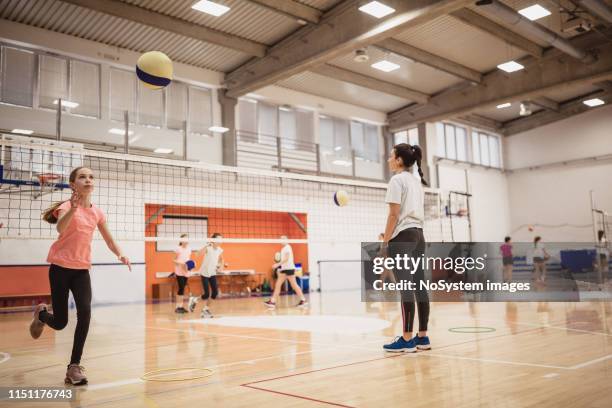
{"x":422,"y":343}
{"x":399,"y":345}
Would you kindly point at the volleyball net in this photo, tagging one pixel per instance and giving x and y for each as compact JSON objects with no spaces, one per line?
{"x":157,"y":199}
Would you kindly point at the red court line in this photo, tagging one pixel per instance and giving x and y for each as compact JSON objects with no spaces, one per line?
{"x":249,"y":385}
{"x":298,"y":396}
{"x":322,"y":369}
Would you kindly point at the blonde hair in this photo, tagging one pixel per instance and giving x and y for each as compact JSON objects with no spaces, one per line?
{"x":49,"y":214}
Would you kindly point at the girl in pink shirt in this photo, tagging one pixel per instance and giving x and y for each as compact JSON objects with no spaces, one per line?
{"x":70,"y":259}
{"x":182,"y":254}
{"x":507,"y":259}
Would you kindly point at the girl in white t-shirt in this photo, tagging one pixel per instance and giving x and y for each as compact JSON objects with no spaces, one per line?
{"x":404,"y":236}
{"x":540,"y":256}
{"x":287,"y":272}
{"x":212,"y":263}
{"x":182,"y":254}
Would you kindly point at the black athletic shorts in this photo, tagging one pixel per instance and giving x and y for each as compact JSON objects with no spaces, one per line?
{"x":288,"y":272}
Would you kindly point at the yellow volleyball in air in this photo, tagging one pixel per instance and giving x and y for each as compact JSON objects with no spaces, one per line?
{"x":154,"y":69}
{"x":341,"y":198}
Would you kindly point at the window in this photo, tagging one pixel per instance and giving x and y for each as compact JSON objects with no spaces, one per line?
{"x":176,"y":114}
{"x":85,"y":88}
{"x":372,"y":143}
{"x":18,"y":73}
{"x":449,"y":133}
{"x":247,"y":119}
{"x":287,"y":128}
{"x":410,"y":136}
{"x":150,"y":106}
{"x":304,"y":129}
{"x":461,"y":138}
{"x":486,"y":149}
{"x":342,"y":142}
{"x":494,"y":151}
{"x":358,"y":139}
{"x":326,"y":134}
{"x":475,"y":148}
{"x":200,"y":110}
{"x":267,"y":123}
{"x":451,"y":141}
{"x":122,"y":94}
{"x":53,"y":77}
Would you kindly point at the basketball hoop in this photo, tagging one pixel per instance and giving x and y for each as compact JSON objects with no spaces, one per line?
{"x":47,"y":183}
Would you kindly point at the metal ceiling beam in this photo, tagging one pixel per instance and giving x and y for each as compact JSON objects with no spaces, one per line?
{"x":340,"y":31}
{"x":291,"y":8}
{"x":554,"y":71}
{"x":408,"y":51}
{"x":171,"y":24}
{"x":365,"y":81}
{"x":481,"y":122}
{"x":484,"y":24}
{"x":546,"y":103}
{"x":566,"y":110}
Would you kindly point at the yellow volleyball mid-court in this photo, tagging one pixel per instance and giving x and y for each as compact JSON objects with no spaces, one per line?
{"x":341,"y":198}
{"x":154,"y":69}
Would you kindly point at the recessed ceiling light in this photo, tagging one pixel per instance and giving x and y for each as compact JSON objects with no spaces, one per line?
{"x":117,"y":131}
{"x":510,"y":66}
{"x":218,"y":129}
{"x":534,"y":12}
{"x":163,"y":150}
{"x":210,"y":7}
{"x":385,"y":66}
{"x":22,"y":131}
{"x":67,"y":104}
{"x":376,"y":9}
{"x":345,"y":163}
{"x":593,"y":102}
{"x":504,"y":105}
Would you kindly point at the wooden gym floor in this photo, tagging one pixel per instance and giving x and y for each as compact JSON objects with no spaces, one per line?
{"x":527,"y":355}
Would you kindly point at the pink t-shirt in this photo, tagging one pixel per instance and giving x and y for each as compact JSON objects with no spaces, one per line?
{"x":506,"y":250}
{"x":72,"y":249}
{"x":182,"y":255}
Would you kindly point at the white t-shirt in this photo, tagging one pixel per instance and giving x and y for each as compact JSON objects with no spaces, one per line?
{"x":406,"y":190}
{"x":287,"y":252}
{"x":538,"y":250}
{"x":182,"y":256}
{"x":211,"y":261}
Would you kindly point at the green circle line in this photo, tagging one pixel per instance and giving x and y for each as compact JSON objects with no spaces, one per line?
{"x":471,"y":329}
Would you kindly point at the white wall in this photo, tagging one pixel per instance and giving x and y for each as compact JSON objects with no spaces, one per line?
{"x":558,"y":195}
{"x":489,"y":212}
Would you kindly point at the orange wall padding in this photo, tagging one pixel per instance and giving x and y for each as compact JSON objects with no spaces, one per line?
{"x":24,"y":280}
{"x":231,"y":224}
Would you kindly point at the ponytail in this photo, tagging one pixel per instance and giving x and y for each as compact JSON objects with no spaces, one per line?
{"x":49,"y":214}
{"x":410,"y":155}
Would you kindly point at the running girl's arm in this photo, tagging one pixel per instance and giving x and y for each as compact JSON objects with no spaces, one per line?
{"x":64,"y":217}
{"x":392,"y":218}
{"x":112,"y":245}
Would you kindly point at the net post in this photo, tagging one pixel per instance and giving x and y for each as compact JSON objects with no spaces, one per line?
{"x":279,"y":153}
{"x":318,"y":153}
{"x":58,"y":121}
{"x":353,"y":162}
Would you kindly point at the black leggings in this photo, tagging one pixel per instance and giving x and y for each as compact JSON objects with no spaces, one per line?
{"x":213,"y":286}
{"x":78,"y":282}
{"x":182,"y":282}
{"x":417,"y":240}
